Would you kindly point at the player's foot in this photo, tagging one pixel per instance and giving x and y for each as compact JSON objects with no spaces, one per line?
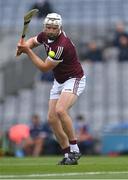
{"x":68,"y":161}
{"x":75,"y":155}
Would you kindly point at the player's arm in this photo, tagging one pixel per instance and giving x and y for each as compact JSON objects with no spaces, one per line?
{"x":31,"y":43}
{"x":45,"y":65}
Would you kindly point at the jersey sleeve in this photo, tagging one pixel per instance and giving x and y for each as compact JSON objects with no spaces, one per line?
{"x":40,"y":38}
{"x":58,"y":54}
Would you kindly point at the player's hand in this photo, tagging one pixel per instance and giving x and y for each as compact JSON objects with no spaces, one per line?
{"x":22,"y":47}
{"x":18,"y":50}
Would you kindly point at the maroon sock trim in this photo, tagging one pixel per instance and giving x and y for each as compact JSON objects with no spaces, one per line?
{"x":73,"y":142}
{"x":66,"y":150}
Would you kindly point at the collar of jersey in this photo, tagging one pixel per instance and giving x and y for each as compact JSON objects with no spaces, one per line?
{"x":51,"y":41}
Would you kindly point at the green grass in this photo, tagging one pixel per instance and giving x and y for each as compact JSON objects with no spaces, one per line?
{"x":46,"y":168}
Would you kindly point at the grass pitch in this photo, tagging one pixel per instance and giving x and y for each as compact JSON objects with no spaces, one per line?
{"x":46,"y":168}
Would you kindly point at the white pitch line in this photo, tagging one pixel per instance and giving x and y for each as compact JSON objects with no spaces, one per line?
{"x":64,"y":174}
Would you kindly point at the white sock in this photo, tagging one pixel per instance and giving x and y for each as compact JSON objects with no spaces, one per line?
{"x":66,"y":155}
{"x":74,"y":147}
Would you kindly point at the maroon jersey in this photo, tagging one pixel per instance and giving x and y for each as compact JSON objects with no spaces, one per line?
{"x":69,"y":67}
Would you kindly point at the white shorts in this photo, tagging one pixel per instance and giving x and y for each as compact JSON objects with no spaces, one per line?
{"x":74,"y":85}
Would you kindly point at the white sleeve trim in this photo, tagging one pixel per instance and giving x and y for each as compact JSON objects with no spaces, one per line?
{"x":36,"y":40}
{"x":56,"y":61}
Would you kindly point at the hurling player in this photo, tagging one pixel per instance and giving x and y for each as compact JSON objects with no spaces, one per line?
{"x":69,"y":81}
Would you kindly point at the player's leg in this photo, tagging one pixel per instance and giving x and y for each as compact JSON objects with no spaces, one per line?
{"x":61,"y":136}
{"x":71,"y":90}
{"x":56,"y":126}
{"x":55,"y":113}
{"x":63,"y":105}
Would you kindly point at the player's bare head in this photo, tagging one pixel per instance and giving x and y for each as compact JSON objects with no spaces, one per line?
{"x":52,"y":25}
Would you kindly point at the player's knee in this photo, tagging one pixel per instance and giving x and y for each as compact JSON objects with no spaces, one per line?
{"x":51,"y":118}
{"x":60,"y":111}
